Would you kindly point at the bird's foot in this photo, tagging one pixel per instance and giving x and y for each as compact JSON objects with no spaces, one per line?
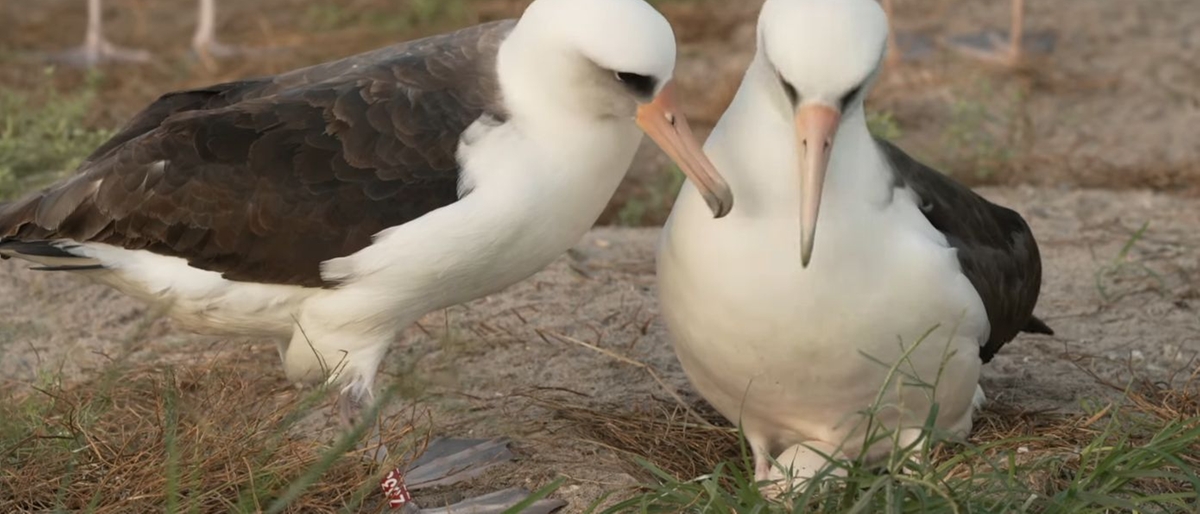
{"x":96,"y":53}
{"x":350,"y":410}
{"x":792,"y":470}
{"x":996,"y":47}
{"x":909,"y":46}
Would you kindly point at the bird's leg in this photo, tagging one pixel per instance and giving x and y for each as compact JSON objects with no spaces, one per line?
{"x":96,"y":49}
{"x":798,"y":464}
{"x":350,"y":410}
{"x":762,"y":461}
{"x":282,"y":347}
{"x":1006,"y":50}
{"x":911,"y":439}
{"x":1016,"y":33}
{"x":204,"y":41}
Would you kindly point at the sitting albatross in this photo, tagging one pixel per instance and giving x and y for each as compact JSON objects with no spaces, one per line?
{"x":788,"y":325}
{"x":337,"y":204}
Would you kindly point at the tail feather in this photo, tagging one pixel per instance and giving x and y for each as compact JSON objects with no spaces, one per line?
{"x":34,"y":249}
{"x":49,"y":255}
{"x":1037,"y":326}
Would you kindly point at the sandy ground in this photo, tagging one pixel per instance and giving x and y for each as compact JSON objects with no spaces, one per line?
{"x":1114,"y":105}
{"x":476,"y":367}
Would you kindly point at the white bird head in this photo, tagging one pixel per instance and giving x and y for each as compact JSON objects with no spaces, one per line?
{"x":826,"y":54}
{"x":613,"y":59}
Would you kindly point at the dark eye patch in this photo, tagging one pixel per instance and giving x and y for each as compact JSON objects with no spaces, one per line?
{"x":790,"y":91}
{"x":641,"y":85}
{"x":849,"y":97}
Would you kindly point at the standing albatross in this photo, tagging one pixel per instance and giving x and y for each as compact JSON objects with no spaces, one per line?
{"x":788,"y":325}
{"x":337,"y":204}
{"x":97,"y":49}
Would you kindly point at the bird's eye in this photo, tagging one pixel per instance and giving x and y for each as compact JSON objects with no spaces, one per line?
{"x":641,"y":85}
{"x":849,"y":97}
{"x":790,"y":91}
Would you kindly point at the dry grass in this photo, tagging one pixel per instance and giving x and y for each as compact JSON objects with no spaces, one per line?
{"x":660,"y":433}
{"x":1112,"y":449}
{"x":217,"y":437}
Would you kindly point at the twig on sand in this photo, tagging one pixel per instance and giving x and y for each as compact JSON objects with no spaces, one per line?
{"x":645,"y":367}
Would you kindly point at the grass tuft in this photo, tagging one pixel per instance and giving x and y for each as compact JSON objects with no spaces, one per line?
{"x":1141,"y":454}
{"x":199,"y":438}
{"x":43,"y":138}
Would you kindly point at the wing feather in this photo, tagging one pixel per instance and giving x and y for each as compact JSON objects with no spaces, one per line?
{"x":262,"y":180}
{"x":996,"y":248}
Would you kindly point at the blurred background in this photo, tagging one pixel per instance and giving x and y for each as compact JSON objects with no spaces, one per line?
{"x":1105,"y":95}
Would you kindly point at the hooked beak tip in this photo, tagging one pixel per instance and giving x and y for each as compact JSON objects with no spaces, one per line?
{"x":721,"y":202}
{"x":663,"y":122}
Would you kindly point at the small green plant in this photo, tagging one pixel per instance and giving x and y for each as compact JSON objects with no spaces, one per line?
{"x":883,"y":125}
{"x":1131,"y":463}
{"x":428,"y":12}
{"x":1121,"y":266}
{"x":970,"y":136}
{"x":329,"y":16}
{"x":323,"y":16}
{"x":1140,"y":455}
{"x":987,"y":131}
{"x":42,"y":139}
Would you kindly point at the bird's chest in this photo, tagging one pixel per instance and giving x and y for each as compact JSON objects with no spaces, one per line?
{"x":744,"y":314}
{"x":526,"y":204}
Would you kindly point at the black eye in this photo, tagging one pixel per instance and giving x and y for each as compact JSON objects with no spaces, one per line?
{"x":849,"y":97}
{"x":641,"y":85}
{"x":790,"y":91}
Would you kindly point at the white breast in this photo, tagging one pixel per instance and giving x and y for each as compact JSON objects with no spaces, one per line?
{"x":793,"y":353}
{"x":530,"y":199}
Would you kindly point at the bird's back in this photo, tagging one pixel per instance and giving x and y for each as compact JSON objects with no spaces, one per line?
{"x":264,"y":179}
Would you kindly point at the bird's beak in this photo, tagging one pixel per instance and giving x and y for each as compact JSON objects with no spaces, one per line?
{"x":665,"y":124}
{"x":816,"y":126}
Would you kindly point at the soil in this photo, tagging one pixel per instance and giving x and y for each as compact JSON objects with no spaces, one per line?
{"x":1091,"y":143}
{"x":487,"y":368}
{"x":1113,"y":105}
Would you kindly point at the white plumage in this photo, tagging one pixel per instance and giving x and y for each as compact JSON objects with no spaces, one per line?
{"x":796,"y":346}
{"x":559,"y":103}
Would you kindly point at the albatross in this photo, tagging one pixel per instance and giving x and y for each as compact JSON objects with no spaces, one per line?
{"x":97,"y":49}
{"x":331,"y":207}
{"x":843,"y":257}
{"x":1004,"y":48}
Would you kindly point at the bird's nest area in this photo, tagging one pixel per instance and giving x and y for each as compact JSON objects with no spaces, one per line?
{"x":666,"y":439}
{"x":224,"y":436}
{"x":214,"y":437}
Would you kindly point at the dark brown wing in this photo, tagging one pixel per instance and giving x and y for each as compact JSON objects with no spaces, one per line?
{"x":996,"y":249}
{"x":262,"y":180}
